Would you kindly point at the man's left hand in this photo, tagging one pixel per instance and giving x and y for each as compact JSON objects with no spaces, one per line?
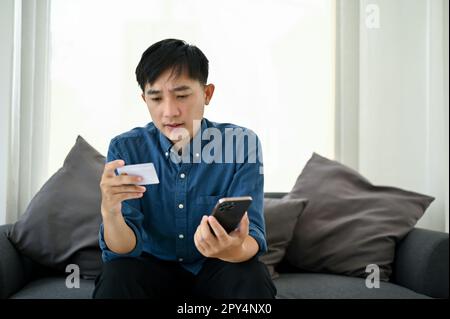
{"x":221,"y":245}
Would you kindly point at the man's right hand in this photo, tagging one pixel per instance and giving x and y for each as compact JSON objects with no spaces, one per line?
{"x":116,"y":189}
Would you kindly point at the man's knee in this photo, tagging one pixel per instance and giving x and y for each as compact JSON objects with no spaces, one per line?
{"x":253,"y":280}
{"x":248,"y":280}
{"x":120,"y":278}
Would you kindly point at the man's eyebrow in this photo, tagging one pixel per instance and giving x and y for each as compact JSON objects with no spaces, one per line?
{"x":181,"y":88}
{"x":152,"y":91}
{"x":177,"y":89}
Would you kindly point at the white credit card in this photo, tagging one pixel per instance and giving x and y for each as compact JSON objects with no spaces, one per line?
{"x":146,"y":171}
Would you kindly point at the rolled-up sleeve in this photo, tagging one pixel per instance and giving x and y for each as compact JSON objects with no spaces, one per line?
{"x":131,"y":211}
{"x":248,"y":180}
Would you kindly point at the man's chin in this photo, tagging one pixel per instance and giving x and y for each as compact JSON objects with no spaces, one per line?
{"x":177,"y":135}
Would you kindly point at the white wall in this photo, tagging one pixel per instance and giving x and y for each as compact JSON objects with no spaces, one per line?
{"x":272,"y":63}
{"x":6,"y":67}
{"x":403,"y":120}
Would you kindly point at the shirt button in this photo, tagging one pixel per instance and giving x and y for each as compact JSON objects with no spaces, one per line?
{"x":180,"y":206}
{"x":181,"y":236}
{"x":167,"y":154}
{"x":182,"y":175}
{"x":180,"y":259}
{"x":197,"y":154}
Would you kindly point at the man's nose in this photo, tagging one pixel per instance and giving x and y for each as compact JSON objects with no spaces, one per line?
{"x":170,"y":109}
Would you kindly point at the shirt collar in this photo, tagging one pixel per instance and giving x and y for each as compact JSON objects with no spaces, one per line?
{"x":166,"y":144}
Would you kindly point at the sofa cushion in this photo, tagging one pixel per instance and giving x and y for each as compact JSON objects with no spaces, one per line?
{"x":55,"y":288}
{"x":348,"y":223}
{"x":60,"y":225}
{"x":280,"y":216}
{"x":329,"y":286}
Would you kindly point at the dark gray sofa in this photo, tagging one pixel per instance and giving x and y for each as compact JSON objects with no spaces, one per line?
{"x":420,"y":270}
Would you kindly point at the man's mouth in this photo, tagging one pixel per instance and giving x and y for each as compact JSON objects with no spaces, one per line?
{"x":174,"y":125}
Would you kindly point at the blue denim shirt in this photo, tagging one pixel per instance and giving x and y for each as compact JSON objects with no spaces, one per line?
{"x":165,"y":219}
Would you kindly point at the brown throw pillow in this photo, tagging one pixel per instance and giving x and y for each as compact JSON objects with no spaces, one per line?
{"x":348,"y":223}
{"x":61,"y":223}
{"x":281,"y":216}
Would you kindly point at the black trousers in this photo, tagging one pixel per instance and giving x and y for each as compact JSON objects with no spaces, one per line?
{"x":150,"y":277}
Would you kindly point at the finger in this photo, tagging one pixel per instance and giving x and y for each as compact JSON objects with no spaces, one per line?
{"x":206,"y":235}
{"x":243,"y":228}
{"x":111,"y":166}
{"x":196,"y":243}
{"x":244,"y":225}
{"x":124,"y":180}
{"x":199,"y":243}
{"x":121,"y":197}
{"x":220,"y":233}
{"x":127,"y":189}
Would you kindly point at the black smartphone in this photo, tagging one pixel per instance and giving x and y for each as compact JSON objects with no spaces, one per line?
{"x":230,"y":210}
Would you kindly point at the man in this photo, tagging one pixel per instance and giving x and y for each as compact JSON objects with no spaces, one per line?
{"x":159,"y":240}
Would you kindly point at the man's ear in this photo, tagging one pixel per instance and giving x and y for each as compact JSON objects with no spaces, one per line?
{"x":143,"y":97}
{"x":209,"y":91}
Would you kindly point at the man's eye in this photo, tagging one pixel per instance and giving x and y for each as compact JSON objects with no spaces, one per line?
{"x":181,"y":96}
{"x":156,"y":99}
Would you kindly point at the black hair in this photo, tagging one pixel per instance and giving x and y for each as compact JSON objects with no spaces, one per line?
{"x":171,"y":54}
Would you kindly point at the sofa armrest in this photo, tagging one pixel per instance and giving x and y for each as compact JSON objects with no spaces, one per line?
{"x":421,"y":262}
{"x":14,"y":272}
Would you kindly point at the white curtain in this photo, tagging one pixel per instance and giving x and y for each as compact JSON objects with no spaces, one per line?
{"x":24,"y":108}
{"x":392,"y":96}
{"x":6,"y":89}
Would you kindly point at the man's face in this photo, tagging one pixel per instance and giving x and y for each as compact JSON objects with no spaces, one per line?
{"x":175,"y":102}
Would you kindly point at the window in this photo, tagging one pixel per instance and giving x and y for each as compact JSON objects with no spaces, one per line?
{"x":272,"y":63}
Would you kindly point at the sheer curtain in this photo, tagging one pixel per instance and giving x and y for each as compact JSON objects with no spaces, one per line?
{"x":392,"y":96}
{"x":24,"y":108}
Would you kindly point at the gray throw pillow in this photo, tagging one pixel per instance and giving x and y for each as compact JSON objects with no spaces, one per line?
{"x":280,"y":216}
{"x":60,"y":225}
{"x":348,"y":223}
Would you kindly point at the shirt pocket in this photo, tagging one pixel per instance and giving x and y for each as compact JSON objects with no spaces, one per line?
{"x":208,"y":200}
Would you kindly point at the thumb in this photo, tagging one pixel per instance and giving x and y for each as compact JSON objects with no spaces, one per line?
{"x":244,"y":225}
